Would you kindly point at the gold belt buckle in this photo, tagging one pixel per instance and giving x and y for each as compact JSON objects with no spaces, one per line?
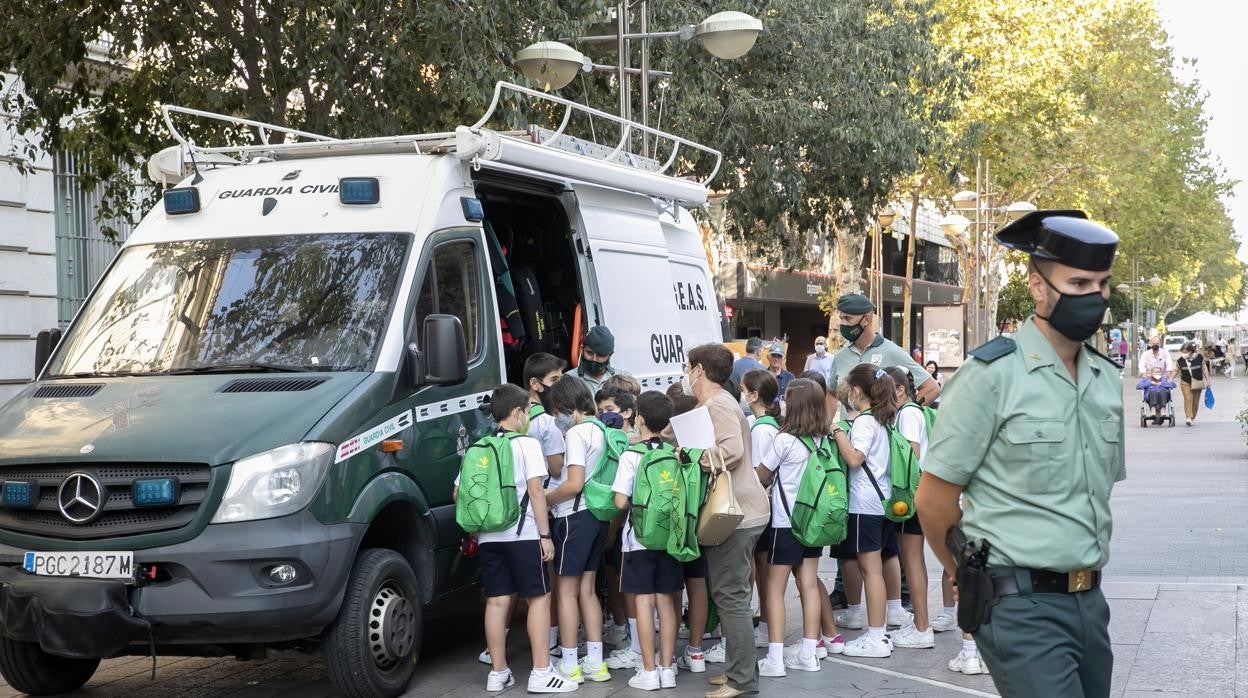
{"x":1080,"y":580}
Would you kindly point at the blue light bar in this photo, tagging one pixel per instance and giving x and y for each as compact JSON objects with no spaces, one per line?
{"x":20,"y":494}
{"x":359,"y":191}
{"x":156,"y":492}
{"x":181,"y":201}
{"x":473,"y":211}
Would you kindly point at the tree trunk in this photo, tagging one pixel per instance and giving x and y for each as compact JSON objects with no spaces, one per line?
{"x":847,"y":249}
{"x":907,"y":291}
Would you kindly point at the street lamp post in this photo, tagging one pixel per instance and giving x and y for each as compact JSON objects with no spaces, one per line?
{"x":725,"y":35}
{"x":1133,"y":287}
{"x":875,"y":271}
{"x":979,"y":245}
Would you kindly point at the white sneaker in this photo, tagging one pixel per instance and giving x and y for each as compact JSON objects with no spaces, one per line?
{"x":835,"y":646}
{"x":592,"y":672}
{"x":692,"y":659}
{"x":864,"y":646}
{"x":645,"y":680}
{"x":969,"y":664}
{"x":500,"y":680}
{"x":667,"y":676}
{"x":615,"y":635}
{"x":771,"y":669}
{"x":909,"y":637}
{"x":944,"y":622}
{"x":851,"y":620}
{"x":760,"y":637}
{"x":549,"y":680}
{"x":717,"y":654}
{"x":485,"y":658}
{"x":897,"y":619}
{"x":624,"y":659}
{"x":793,"y":659}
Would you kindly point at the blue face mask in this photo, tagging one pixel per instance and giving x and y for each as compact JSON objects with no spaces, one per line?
{"x":563,"y":422}
{"x":615,"y":420}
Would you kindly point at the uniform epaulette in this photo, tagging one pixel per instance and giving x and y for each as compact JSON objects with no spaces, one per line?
{"x":994,"y":349}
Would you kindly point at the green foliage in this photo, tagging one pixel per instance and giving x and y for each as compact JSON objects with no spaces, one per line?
{"x":835,"y":102}
{"x":1015,"y":302}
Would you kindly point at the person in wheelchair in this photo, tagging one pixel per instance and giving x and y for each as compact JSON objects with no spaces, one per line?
{"x":1156,"y":387}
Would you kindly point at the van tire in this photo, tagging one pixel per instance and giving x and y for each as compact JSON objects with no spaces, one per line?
{"x":29,"y":669}
{"x":372,"y":648}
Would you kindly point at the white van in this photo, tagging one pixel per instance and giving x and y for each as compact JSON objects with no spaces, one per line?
{"x":247,"y":437}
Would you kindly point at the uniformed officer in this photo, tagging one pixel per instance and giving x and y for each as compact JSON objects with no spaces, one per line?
{"x":1030,"y":436}
{"x":865,"y":345}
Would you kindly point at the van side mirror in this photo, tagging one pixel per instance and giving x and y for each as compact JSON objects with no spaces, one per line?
{"x":45,"y":344}
{"x":443,"y":358}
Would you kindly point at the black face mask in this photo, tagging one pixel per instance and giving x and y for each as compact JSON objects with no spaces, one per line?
{"x":1076,"y":317}
{"x":594,"y":368}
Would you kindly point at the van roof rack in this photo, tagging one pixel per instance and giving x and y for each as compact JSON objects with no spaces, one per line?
{"x":550,"y":151}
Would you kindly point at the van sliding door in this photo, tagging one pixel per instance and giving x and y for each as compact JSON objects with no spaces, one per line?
{"x":636,"y":298}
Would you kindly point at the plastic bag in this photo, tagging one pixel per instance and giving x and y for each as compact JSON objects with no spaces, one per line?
{"x":1208,"y":398}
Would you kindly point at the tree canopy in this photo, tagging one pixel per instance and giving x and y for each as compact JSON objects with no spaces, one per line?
{"x":1077,"y":105}
{"x":834,"y":103}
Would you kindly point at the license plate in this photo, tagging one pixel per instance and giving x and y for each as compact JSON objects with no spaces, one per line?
{"x":101,"y":565}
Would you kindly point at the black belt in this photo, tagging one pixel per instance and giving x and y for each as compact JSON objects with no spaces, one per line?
{"x":1005,"y":581}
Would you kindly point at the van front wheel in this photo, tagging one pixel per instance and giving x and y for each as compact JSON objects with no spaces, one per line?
{"x":372,"y":648}
{"x":29,"y":669}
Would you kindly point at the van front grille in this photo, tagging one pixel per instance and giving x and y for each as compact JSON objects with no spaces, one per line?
{"x":119,"y":516}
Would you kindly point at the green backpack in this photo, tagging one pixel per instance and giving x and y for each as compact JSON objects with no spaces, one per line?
{"x":765,"y":419}
{"x":903,"y":473}
{"x":599,"y":499}
{"x":929,"y":415}
{"x":660,"y":511}
{"x":536,"y":411}
{"x":487,"y":487}
{"x":819,"y":513}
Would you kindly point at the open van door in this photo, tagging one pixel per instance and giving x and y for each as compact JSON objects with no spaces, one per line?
{"x":628,"y":266}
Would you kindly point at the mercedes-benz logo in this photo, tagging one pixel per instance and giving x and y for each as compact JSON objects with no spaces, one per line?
{"x":80,"y":498}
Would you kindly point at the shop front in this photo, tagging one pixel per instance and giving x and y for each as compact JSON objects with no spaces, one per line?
{"x":772,"y":303}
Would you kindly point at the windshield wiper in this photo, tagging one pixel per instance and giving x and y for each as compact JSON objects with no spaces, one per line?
{"x":99,"y":374}
{"x":244,"y":367}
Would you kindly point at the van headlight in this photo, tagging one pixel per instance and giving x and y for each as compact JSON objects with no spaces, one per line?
{"x":274,"y":483}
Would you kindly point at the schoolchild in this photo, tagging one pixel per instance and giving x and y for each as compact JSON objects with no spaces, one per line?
{"x":694,"y":658}
{"x":865,"y":449}
{"x":540,"y":371}
{"x":513,"y":560}
{"x":652,"y":577}
{"x":912,"y":423}
{"x":760,"y":391}
{"x":578,"y":535}
{"x":616,"y":408}
{"x":783,"y":466}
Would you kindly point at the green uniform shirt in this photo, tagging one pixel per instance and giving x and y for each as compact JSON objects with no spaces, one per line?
{"x":594,"y":384}
{"x":880,"y":353}
{"x":1037,"y":453}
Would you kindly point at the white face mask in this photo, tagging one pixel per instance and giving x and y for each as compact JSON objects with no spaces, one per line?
{"x":686,"y":386}
{"x":821,"y":349}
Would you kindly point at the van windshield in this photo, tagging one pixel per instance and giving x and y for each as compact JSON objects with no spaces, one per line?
{"x":248,"y":304}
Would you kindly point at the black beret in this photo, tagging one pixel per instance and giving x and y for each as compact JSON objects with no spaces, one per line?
{"x":854,"y":304}
{"x":1066,"y":237}
{"x":600,"y":340}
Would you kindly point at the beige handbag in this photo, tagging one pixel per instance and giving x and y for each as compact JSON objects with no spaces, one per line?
{"x":720,"y":512}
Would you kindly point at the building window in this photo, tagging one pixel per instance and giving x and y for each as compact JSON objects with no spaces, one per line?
{"x":83,"y":251}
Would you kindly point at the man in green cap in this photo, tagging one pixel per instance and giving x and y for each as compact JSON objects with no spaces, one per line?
{"x":865,"y":345}
{"x":1026,"y":450}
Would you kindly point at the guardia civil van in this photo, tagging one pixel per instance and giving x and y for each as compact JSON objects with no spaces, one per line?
{"x":246,"y":438}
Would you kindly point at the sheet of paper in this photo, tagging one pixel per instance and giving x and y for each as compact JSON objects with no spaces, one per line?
{"x":694,"y":429}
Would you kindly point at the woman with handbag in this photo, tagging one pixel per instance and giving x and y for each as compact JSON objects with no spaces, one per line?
{"x":1192,"y":375}
{"x":733,"y":516}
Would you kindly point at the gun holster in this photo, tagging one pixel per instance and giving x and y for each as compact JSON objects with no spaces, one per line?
{"x":975,"y":591}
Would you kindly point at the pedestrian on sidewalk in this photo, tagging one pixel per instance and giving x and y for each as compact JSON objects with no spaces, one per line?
{"x":728,"y":564}
{"x":1192,"y":372}
{"x":1031,"y":429}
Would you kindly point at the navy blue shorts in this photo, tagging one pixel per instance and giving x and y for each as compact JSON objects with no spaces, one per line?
{"x":866,"y":533}
{"x":696,"y":568}
{"x":783,"y":548}
{"x":910,"y":526}
{"x":650,"y":572}
{"x":578,"y":544}
{"x":513,"y":568}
